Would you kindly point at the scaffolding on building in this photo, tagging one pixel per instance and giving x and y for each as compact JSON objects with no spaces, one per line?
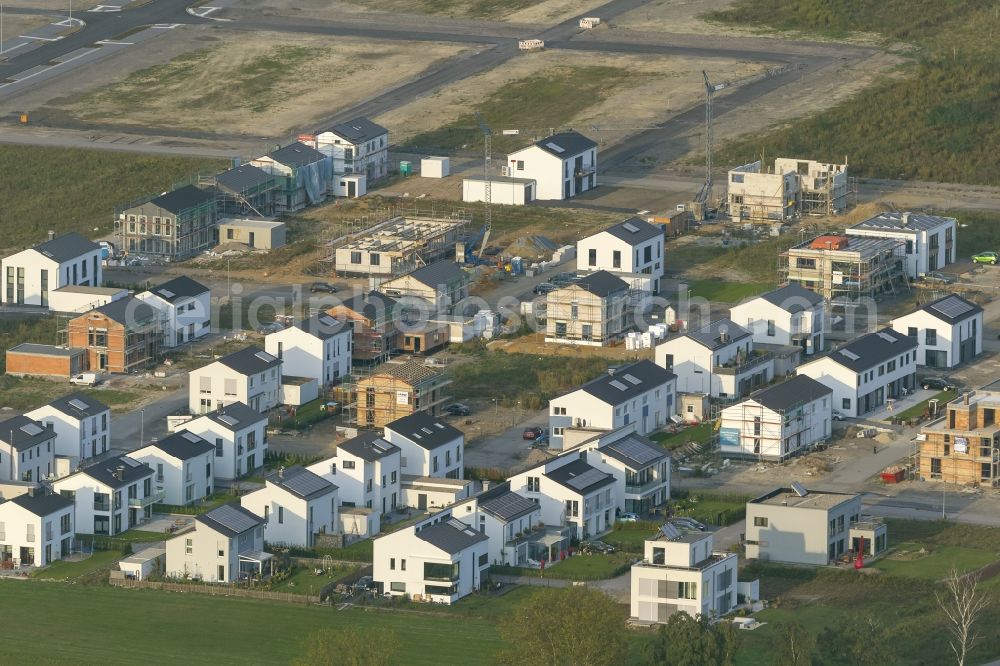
{"x":826,"y":201}
{"x":141,"y":346}
{"x":759,"y":432}
{"x":372,"y":398}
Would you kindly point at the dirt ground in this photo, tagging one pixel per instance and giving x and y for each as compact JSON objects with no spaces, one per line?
{"x":264,"y":84}
{"x":539,"y":11}
{"x":535,"y":344}
{"x":669,"y":86}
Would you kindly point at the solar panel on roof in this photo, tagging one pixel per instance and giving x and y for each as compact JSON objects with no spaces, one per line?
{"x":885,"y":336}
{"x":558,"y":149}
{"x":637,"y":451}
{"x":669,"y":531}
{"x":507,"y":505}
{"x":191,"y":437}
{"x":264,"y":356}
{"x":799,"y":489}
{"x":327,"y":320}
{"x":77,"y":404}
{"x":439,"y":425}
{"x":167,"y":293}
{"x":849,"y":354}
{"x":618,"y":385}
{"x":590,"y":477}
{"x":306,"y":483}
{"x":128,"y":461}
{"x":31,"y":429}
{"x":428,"y":431}
{"x":628,"y":226}
{"x":228,"y":420}
{"x":631,"y":379}
{"x":952,"y":307}
{"x":232,"y":518}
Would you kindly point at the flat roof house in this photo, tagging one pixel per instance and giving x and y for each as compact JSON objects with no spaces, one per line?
{"x":120,"y":337}
{"x":318,"y":347}
{"x":755,"y":194}
{"x":27,"y":450}
{"x":255,"y":233}
{"x":186,"y":308}
{"x":788,"y":315}
{"x":867,"y":372}
{"x":777,"y":422}
{"x":172,"y":226}
{"x":251,"y":376}
{"x":30,"y":359}
{"x":963,"y":445}
{"x":82,"y":426}
{"x":929,"y":240}
{"x":183,"y":462}
{"x":304,"y":174}
{"x":845,"y":269}
{"x":226,"y":545}
{"x":239,"y":434}
{"x":948,"y":331}
{"x":428,"y":445}
{"x":31,"y":275}
{"x":592,"y":311}
{"x":37,"y":529}
{"x":802,"y":526}
{"x":112,"y":495}
{"x":562,"y":165}
{"x":633,"y":250}
{"x":298,"y":506}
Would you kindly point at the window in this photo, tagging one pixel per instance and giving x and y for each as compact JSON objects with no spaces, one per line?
{"x":102,"y":525}
{"x":218,"y":447}
{"x":572,"y":508}
{"x":281,"y":514}
{"x":355,"y":257}
{"x":845,"y":403}
{"x":397,"y":587}
{"x":559,"y":411}
{"x":520,"y":165}
{"x":687,"y":590}
{"x":737,"y":177}
{"x":930,"y":337}
{"x":402,"y":565}
{"x":374,"y":258}
{"x":393,"y":477}
{"x":65,"y":524}
{"x":534,"y":484}
{"x":760,"y":521}
{"x":616,"y":259}
{"x":392,"y":563}
{"x":347,"y":464}
{"x":911,"y":331}
{"x":770,"y":328}
{"x":188,"y":546}
{"x":592,"y":257}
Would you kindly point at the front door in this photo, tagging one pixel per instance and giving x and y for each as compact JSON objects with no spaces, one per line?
{"x":416,"y":343}
{"x":422,"y":502}
{"x":352,"y":188}
{"x":102,"y":361}
{"x":251,"y":239}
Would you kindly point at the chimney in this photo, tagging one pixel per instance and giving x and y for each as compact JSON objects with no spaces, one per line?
{"x":965,"y":398}
{"x":31,"y":491}
{"x":120,"y":472}
{"x":52,"y":234}
{"x":906,"y":219}
{"x":281,"y":472}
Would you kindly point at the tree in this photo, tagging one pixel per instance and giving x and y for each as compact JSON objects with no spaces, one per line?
{"x":795,"y":645}
{"x":962,"y":605}
{"x":856,"y":641}
{"x":565,"y":627}
{"x":349,"y":647}
{"x":688,"y":641}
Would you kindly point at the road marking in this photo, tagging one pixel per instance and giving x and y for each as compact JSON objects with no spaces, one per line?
{"x":202,"y":12}
{"x":109,"y":42}
{"x":70,"y":22}
{"x":165,"y":26}
{"x":41,"y":39}
{"x":47,"y":69}
{"x":16,"y":46}
{"x":105,"y":8}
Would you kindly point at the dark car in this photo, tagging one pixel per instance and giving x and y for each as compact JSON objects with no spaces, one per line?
{"x":324,"y":287}
{"x":457,"y":409}
{"x":532,"y":433}
{"x":544,"y":288}
{"x":596,"y":547}
{"x":937,"y":278}
{"x":937,"y":383}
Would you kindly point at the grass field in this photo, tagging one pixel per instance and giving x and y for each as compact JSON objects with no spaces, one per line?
{"x":631,"y":537}
{"x":68,"y":189}
{"x":723,"y":291}
{"x":578,"y":567}
{"x":304,"y":581}
{"x":937,"y":122}
{"x":919,"y":408}
{"x":471,"y":8}
{"x":672,"y":440}
{"x":906,"y":560}
{"x":62,"y":570}
{"x":25,"y":393}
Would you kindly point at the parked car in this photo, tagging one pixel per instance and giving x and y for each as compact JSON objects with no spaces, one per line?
{"x":324,"y":287}
{"x":432,"y":362}
{"x":938,"y":278}
{"x":628,"y":518}
{"x":273,"y":327}
{"x":458,"y":409}
{"x":364,"y":584}
{"x":532,"y":433}
{"x":85,"y":379}
{"x":937,"y":383}
{"x":837,"y":416}
{"x":596,"y":547}
{"x":689,"y":523}
{"x":543,"y":288}
{"x":985,"y":258}
{"x":563,"y":279}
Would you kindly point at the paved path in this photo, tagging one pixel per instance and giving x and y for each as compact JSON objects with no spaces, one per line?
{"x":149,"y":422}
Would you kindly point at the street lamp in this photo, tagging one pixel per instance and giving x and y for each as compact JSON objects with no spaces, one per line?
{"x":142,"y":427}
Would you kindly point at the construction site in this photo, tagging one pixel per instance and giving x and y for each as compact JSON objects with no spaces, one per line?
{"x":792,"y":189}
{"x":391,"y":391}
{"x":963,"y":445}
{"x":846,"y":269}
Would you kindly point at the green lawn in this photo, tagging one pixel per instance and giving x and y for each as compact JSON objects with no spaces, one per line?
{"x":198,"y":629}
{"x":201,"y":506}
{"x":24,"y":393}
{"x":578,"y":567}
{"x":359,"y":551}
{"x":701,"y":433}
{"x":905,"y":560}
{"x":710,"y":508}
{"x":63,"y":570}
{"x":723,"y":291}
{"x":304,"y":581}
{"x":918,"y":409}
{"x":631,"y":537}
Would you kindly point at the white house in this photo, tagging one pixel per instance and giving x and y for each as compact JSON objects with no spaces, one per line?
{"x":633,"y":250}
{"x":366,"y":471}
{"x":642,"y":393}
{"x":27,"y":450}
{"x":31,"y":275}
{"x":357,"y":147}
{"x":571,"y":492}
{"x":442,"y":284}
{"x":319,"y":347}
{"x":562,"y":165}
{"x":428,"y":446}
{"x":948,"y":331}
{"x":226,"y":545}
{"x":297,"y":505}
{"x":439,"y":559}
{"x":788,"y":315}
{"x":239,"y":435}
{"x":251,"y":376}
{"x":186,"y":306}
{"x":930,"y":239}
{"x":36,"y":529}
{"x":641,"y":468}
{"x":779,"y":421}
{"x":681,"y":573}
{"x":867,"y":372}
{"x":112,"y":495}
{"x":82,"y":426}
{"x":717,"y":359}
{"x":183,"y":462}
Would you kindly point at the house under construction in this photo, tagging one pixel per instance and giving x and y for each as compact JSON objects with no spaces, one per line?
{"x":793,"y":188}
{"x":845,"y":269}
{"x":824,"y":189}
{"x":397,"y":245}
{"x":963,"y":446}
{"x":393,"y":390}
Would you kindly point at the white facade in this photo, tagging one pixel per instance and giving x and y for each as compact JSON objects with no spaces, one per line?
{"x":629,"y":250}
{"x":790,"y":315}
{"x":944,"y":340}
{"x":319,"y":348}
{"x":505,"y":545}
{"x":717,"y":360}
{"x":641,"y":468}
{"x":930,"y":240}
{"x":183,"y":465}
{"x":111,"y":496}
{"x":357,"y":147}
{"x":763,"y":196}
{"x":239,"y":435}
{"x":440,"y":559}
{"x":29,"y":276}
{"x":428,"y":446}
{"x":435,"y":167}
{"x":257,"y":384}
{"x":36,"y":530}
{"x":82,"y":427}
{"x":27,"y":450}
{"x":184,"y":318}
{"x":504,"y":191}
{"x":366,"y":473}
{"x":683,"y":575}
{"x":219,"y":552}
{"x":295,"y":509}
{"x":562,"y":166}
{"x":882,"y":370}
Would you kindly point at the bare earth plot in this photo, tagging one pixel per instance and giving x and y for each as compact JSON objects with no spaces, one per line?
{"x":516,"y":11}
{"x":262,"y":84}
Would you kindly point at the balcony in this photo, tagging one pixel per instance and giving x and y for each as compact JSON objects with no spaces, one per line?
{"x":734,"y":368}
{"x":143,"y":502}
{"x":868,"y":524}
{"x":584,"y":170}
{"x":647,"y":487}
{"x":102,"y":506}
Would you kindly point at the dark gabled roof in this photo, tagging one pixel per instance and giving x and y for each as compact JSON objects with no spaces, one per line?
{"x":634,"y":230}
{"x":128,"y":311}
{"x":602,"y":284}
{"x":719,"y":333}
{"x":43,"y":504}
{"x":236,"y":416}
{"x":66,"y":247}
{"x":907,"y":222}
{"x":580,"y":477}
{"x":21,"y":432}
{"x":627,"y":382}
{"x":374,"y":305}
{"x":504,"y":503}
{"x":250,"y":360}
{"x":230,"y":519}
{"x":182,"y":199}
{"x":79,"y":405}
{"x":104,"y":471}
{"x":183,"y":445}
{"x":634,"y":450}
{"x":358,"y":130}
{"x":871,"y":350}
{"x":565,"y":144}
{"x":792,"y":298}
{"x":368,"y":446}
{"x":322,"y":326}
{"x":179,"y":287}
{"x":296,"y":155}
{"x":242,"y":178}
{"x":300,"y":482}
{"x":452,"y":536}
{"x":952,"y":309}
{"x":425,"y":430}
{"x":439,"y":273}
{"x":798,"y":390}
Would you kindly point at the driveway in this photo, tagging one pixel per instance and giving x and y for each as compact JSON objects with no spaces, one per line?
{"x":507,"y":449}
{"x":128,"y":430}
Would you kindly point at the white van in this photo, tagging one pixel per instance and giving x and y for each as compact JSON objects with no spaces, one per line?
{"x":85,"y":379}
